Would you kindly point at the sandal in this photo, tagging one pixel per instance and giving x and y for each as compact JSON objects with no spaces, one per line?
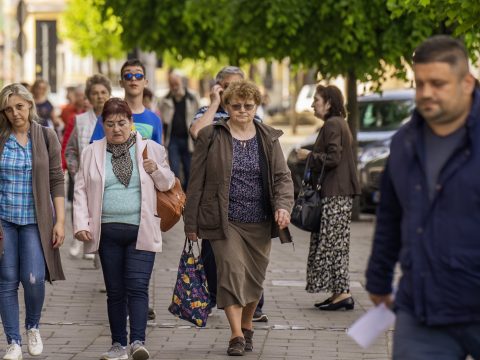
{"x":236,"y":346}
{"x":248,"y":335}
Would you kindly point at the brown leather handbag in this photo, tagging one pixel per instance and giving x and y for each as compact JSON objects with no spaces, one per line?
{"x":170,"y":203}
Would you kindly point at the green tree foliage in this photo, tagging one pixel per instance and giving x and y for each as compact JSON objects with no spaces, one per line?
{"x":458,"y":17}
{"x":90,"y":32}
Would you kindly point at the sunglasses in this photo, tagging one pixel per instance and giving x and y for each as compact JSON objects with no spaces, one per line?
{"x":130,"y":76}
{"x":238,"y":107}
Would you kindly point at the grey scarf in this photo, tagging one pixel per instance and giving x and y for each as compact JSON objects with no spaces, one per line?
{"x":121,"y":161}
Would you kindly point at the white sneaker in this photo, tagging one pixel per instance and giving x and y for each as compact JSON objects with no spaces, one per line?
{"x":13,"y":352}
{"x":138,"y":351}
{"x":75,"y":248}
{"x":116,"y":352}
{"x":89,"y":256}
{"x":35,"y":344}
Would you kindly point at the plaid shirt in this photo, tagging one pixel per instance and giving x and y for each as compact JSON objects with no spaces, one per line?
{"x":16,"y":192}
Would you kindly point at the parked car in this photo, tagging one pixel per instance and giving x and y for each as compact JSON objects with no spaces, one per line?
{"x":380,"y":116}
{"x":371,"y":163}
{"x":303,"y":105}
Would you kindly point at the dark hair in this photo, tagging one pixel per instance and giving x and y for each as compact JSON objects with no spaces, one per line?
{"x":97,"y":79}
{"x":332,"y":95}
{"x":147,"y":93}
{"x":441,"y":48}
{"x":116,"y":106}
{"x":132,"y":62}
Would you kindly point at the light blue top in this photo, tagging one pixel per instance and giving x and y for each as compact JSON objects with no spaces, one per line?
{"x":121,"y":204}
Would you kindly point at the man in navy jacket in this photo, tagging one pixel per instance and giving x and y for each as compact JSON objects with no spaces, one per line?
{"x":429,"y":214}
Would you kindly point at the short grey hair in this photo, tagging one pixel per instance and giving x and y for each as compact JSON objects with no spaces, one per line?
{"x":227,"y":71}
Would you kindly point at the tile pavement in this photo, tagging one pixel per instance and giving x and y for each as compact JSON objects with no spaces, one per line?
{"x":74,"y":322}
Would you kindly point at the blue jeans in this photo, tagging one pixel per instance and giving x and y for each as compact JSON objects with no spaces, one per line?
{"x":178,"y":153}
{"x":413,"y":340}
{"x":22,"y":261}
{"x":127,"y":273}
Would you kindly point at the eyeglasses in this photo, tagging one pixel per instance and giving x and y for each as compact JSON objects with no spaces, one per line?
{"x":238,"y":107}
{"x":130,"y":76}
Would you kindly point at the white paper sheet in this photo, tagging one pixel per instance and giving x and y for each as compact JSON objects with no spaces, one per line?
{"x":371,"y":325}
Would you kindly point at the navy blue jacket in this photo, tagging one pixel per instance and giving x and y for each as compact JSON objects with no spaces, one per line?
{"x":436,"y":242}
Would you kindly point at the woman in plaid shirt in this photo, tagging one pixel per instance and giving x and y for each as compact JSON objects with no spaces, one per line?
{"x":31,"y":181}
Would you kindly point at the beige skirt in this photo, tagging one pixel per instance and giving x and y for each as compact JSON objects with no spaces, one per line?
{"x":242,"y":259}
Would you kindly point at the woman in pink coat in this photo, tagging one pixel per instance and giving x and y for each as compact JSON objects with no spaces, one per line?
{"x":115,"y":214}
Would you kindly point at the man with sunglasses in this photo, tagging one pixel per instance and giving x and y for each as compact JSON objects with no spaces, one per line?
{"x":205,"y":116}
{"x":133,"y":81}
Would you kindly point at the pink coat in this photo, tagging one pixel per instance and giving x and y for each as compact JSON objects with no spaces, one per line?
{"x":90,"y":183}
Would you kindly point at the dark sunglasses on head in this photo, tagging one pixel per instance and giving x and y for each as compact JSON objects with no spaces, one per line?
{"x":130,"y":76}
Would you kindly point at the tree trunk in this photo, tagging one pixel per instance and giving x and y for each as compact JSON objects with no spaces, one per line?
{"x":352,"y":111}
{"x":99,"y":66}
{"x":298,"y":83}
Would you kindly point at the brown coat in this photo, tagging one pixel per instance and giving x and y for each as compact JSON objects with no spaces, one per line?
{"x":334,"y":146}
{"x":206,"y":210}
{"x":48,"y":183}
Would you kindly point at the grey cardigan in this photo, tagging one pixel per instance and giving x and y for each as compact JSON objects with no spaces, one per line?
{"x":48,"y":183}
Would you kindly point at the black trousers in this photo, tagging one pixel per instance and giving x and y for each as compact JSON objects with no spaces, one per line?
{"x":208,"y":258}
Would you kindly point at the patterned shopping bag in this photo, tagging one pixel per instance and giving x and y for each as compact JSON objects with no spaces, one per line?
{"x":191,"y":298}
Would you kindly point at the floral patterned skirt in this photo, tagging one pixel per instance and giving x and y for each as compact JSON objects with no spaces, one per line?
{"x":328,"y":258}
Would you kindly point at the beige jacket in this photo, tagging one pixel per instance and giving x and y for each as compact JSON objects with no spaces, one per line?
{"x":167,"y":109}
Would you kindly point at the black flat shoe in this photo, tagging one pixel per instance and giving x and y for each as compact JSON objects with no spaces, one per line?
{"x":324,"y":302}
{"x":347,"y":304}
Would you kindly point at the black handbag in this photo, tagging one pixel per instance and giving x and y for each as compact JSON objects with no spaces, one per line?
{"x":307,"y":211}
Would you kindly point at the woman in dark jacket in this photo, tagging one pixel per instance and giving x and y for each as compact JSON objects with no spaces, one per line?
{"x":328,"y":258}
{"x":239,"y":197}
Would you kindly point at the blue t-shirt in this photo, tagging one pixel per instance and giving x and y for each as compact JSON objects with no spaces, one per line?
{"x":148,"y":124}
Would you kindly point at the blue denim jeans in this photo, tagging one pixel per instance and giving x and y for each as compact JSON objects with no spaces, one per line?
{"x":22,"y":261}
{"x":178,"y":154}
{"x":413,"y":340}
{"x":127,"y":273}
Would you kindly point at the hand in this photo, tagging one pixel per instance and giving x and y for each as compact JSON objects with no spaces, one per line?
{"x":282,"y":217}
{"x":192,"y":236}
{"x":84,"y":235}
{"x":378,"y":299}
{"x":302,"y":154}
{"x":58,"y":236}
{"x":150,"y":166}
{"x":216,"y":94}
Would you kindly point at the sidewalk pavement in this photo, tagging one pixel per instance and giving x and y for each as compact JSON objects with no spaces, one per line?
{"x":74,"y":323}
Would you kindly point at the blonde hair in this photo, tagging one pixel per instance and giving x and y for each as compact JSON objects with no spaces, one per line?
{"x":244,"y":90}
{"x":18,"y":90}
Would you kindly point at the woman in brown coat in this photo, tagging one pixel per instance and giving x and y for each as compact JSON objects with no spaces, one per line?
{"x":239,"y":197}
{"x":32,"y":230}
{"x":328,"y":259}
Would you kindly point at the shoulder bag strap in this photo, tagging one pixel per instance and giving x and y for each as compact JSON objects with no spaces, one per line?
{"x":308,"y":172}
{"x":45,"y":137}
